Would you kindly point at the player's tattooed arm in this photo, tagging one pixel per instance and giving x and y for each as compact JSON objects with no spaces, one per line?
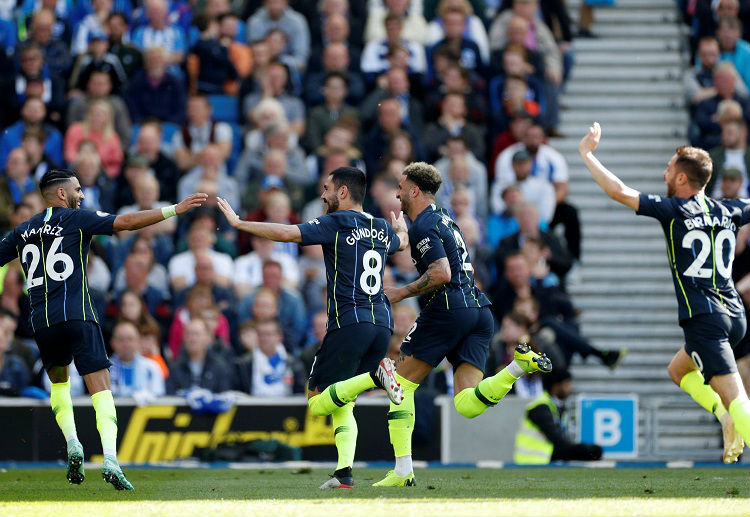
{"x":437,"y":275}
{"x":272,"y":231}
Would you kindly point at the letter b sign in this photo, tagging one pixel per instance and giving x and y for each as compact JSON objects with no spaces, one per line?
{"x":609,"y":421}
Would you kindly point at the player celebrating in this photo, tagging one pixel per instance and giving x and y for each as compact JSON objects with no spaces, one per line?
{"x":53,"y":247}
{"x":701,"y":235}
{"x":355,"y":248}
{"x":455,"y":322}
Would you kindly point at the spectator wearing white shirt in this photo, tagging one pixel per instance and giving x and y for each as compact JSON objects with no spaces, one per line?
{"x":161,"y":33}
{"x":199,"y":132}
{"x":534,"y":190}
{"x":276,"y":14}
{"x":415,"y":26}
{"x":267,"y":372}
{"x":211,"y":167}
{"x":473,"y":30}
{"x":94,"y":23}
{"x":248,"y":269}
{"x":132,"y":374}
{"x":374,"y":59}
{"x":182,"y":266}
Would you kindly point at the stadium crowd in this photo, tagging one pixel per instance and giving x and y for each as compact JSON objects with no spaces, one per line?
{"x":256,"y":102}
{"x":716,"y":92}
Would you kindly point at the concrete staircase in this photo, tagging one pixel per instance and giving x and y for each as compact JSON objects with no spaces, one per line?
{"x":630,"y":81}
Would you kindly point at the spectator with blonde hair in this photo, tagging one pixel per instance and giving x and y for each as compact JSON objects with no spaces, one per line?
{"x":97,"y":127}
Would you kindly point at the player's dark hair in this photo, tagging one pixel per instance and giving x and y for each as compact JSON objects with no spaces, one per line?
{"x":425,"y":176}
{"x":53,"y":177}
{"x":696,"y":164}
{"x":354,"y":179}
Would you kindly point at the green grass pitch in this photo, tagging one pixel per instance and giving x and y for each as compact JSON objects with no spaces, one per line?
{"x":278,"y":492}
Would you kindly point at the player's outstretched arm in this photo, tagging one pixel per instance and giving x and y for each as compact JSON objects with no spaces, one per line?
{"x":438,"y":274}
{"x":611,"y":184}
{"x":138,"y":220}
{"x":399,"y":226}
{"x":272,"y":231}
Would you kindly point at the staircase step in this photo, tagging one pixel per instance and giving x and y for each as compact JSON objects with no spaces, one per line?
{"x":664,"y":117}
{"x":590,"y":102}
{"x":660,"y":330}
{"x":644,"y":31}
{"x":591,"y":273}
{"x":621,"y":287}
{"x":631,"y":4}
{"x":608,"y":145}
{"x":595,"y":45}
{"x":626,"y":88}
{"x":638,"y":311}
{"x":665,"y":16}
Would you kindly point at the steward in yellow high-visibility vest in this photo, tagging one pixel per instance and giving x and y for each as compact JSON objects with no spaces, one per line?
{"x":541,"y":437}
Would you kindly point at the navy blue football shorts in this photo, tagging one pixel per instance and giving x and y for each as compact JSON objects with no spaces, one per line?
{"x":347,"y":352}
{"x":76,"y":340}
{"x":460,"y":335}
{"x":709,"y":339}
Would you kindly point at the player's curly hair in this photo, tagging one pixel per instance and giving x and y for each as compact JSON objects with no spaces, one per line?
{"x":695,"y":163}
{"x":425,"y":176}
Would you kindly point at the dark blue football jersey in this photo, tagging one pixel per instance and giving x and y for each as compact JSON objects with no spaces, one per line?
{"x":432,"y":236}
{"x":355,"y":248}
{"x":53,"y":247}
{"x":701,"y":234}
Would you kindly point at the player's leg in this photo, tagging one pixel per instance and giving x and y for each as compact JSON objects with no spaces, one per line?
{"x":685,"y":374}
{"x":56,"y":353}
{"x":474,"y":395}
{"x":92,"y":363}
{"x":733,"y":396}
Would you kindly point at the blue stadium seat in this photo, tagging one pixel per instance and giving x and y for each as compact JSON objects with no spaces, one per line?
{"x":236,"y":147}
{"x":226,"y":108}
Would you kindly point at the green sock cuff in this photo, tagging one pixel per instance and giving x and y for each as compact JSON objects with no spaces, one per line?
{"x":694,"y":384}
{"x":60,"y":385}
{"x":405,"y":383}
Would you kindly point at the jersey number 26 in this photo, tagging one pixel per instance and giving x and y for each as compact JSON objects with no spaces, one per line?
{"x":51,"y":259}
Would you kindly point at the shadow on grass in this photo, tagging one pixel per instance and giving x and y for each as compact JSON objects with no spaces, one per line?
{"x":460,"y":484}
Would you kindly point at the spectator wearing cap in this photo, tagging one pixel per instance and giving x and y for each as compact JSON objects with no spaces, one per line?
{"x":96,"y":58}
{"x":274,"y":177}
{"x":92,"y":23}
{"x":503,"y":224}
{"x":153,"y":93}
{"x":533,"y":189}
{"x":148,"y":150}
{"x":210,"y":167}
{"x":374,"y":59}
{"x":119,"y":44}
{"x":199,"y":132}
{"x":162,"y":33}
{"x":732,"y":153}
{"x":276,"y":14}
{"x":98,"y":86}
{"x":334,"y":108}
{"x":733,"y":184}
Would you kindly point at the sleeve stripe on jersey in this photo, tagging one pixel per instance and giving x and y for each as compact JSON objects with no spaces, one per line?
{"x":44,"y":274}
{"x":336,"y":275}
{"x":674,"y":266}
{"x":83,"y":283}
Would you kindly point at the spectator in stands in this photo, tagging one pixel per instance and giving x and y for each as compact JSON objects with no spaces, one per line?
{"x":374,"y":61}
{"x":452,"y":122}
{"x":16,"y":180}
{"x":248,"y":269}
{"x":133,"y":375}
{"x":535,"y":190}
{"x":16,"y":346}
{"x":149,"y":156}
{"x":182,"y":266}
{"x":518,"y":31}
{"x":200,"y":130}
{"x":156,"y":274}
{"x":415,"y":26}
{"x":543,"y":417}
{"x":734,"y":49}
{"x":455,"y":38}
{"x":97,"y":128}
{"x":199,"y":367}
{"x":514,"y":66}
{"x":336,"y":59}
{"x":96,"y":186}
{"x":340,"y":138}
{"x":560,"y":259}
{"x":323,"y":117}
{"x":275,"y":86}
{"x":699,"y":82}
{"x":732,"y":153}
{"x":266,"y":368}
{"x":397,"y":87}
{"x":139,"y":277}
{"x":96,"y":58}
{"x":520,"y":122}
{"x":91,"y":24}
{"x":210,"y":167}
{"x":709,"y":130}
{"x":389,"y":124}
{"x":34,"y":78}
{"x":55,"y":49}
{"x":147,"y":196}
{"x":733,"y":184}
{"x":208,"y":64}
{"x":155,"y":93}
{"x":199,"y":304}
{"x":33,"y":143}
{"x":455,"y":79}
{"x":205,"y":276}
{"x":276,"y":14}
{"x":162,"y":33}
{"x":471,"y":26}
{"x":460,"y":167}
{"x":130,"y":57}
{"x":99,"y":88}
{"x":150,"y":345}
{"x":239,"y":52}
{"x":14,"y":374}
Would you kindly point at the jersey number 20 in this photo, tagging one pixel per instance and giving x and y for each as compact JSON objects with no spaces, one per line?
{"x":52,"y":258}
{"x":696,"y":269}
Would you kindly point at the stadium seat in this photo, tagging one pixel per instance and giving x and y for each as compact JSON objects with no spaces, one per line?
{"x":236,"y":147}
{"x":226,"y":108}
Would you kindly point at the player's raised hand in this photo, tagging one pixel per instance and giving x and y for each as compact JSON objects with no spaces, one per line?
{"x":398,"y":223}
{"x":590,"y":140}
{"x":192,"y":201}
{"x":229,"y":213}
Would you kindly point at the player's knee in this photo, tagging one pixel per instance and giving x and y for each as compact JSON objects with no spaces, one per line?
{"x":675,"y":373}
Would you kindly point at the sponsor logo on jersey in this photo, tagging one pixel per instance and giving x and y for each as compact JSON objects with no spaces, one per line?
{"x":423,"y":246}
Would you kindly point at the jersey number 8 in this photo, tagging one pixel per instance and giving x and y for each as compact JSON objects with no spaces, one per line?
{"x":371,"y":271}
{"x":51,"y":259}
